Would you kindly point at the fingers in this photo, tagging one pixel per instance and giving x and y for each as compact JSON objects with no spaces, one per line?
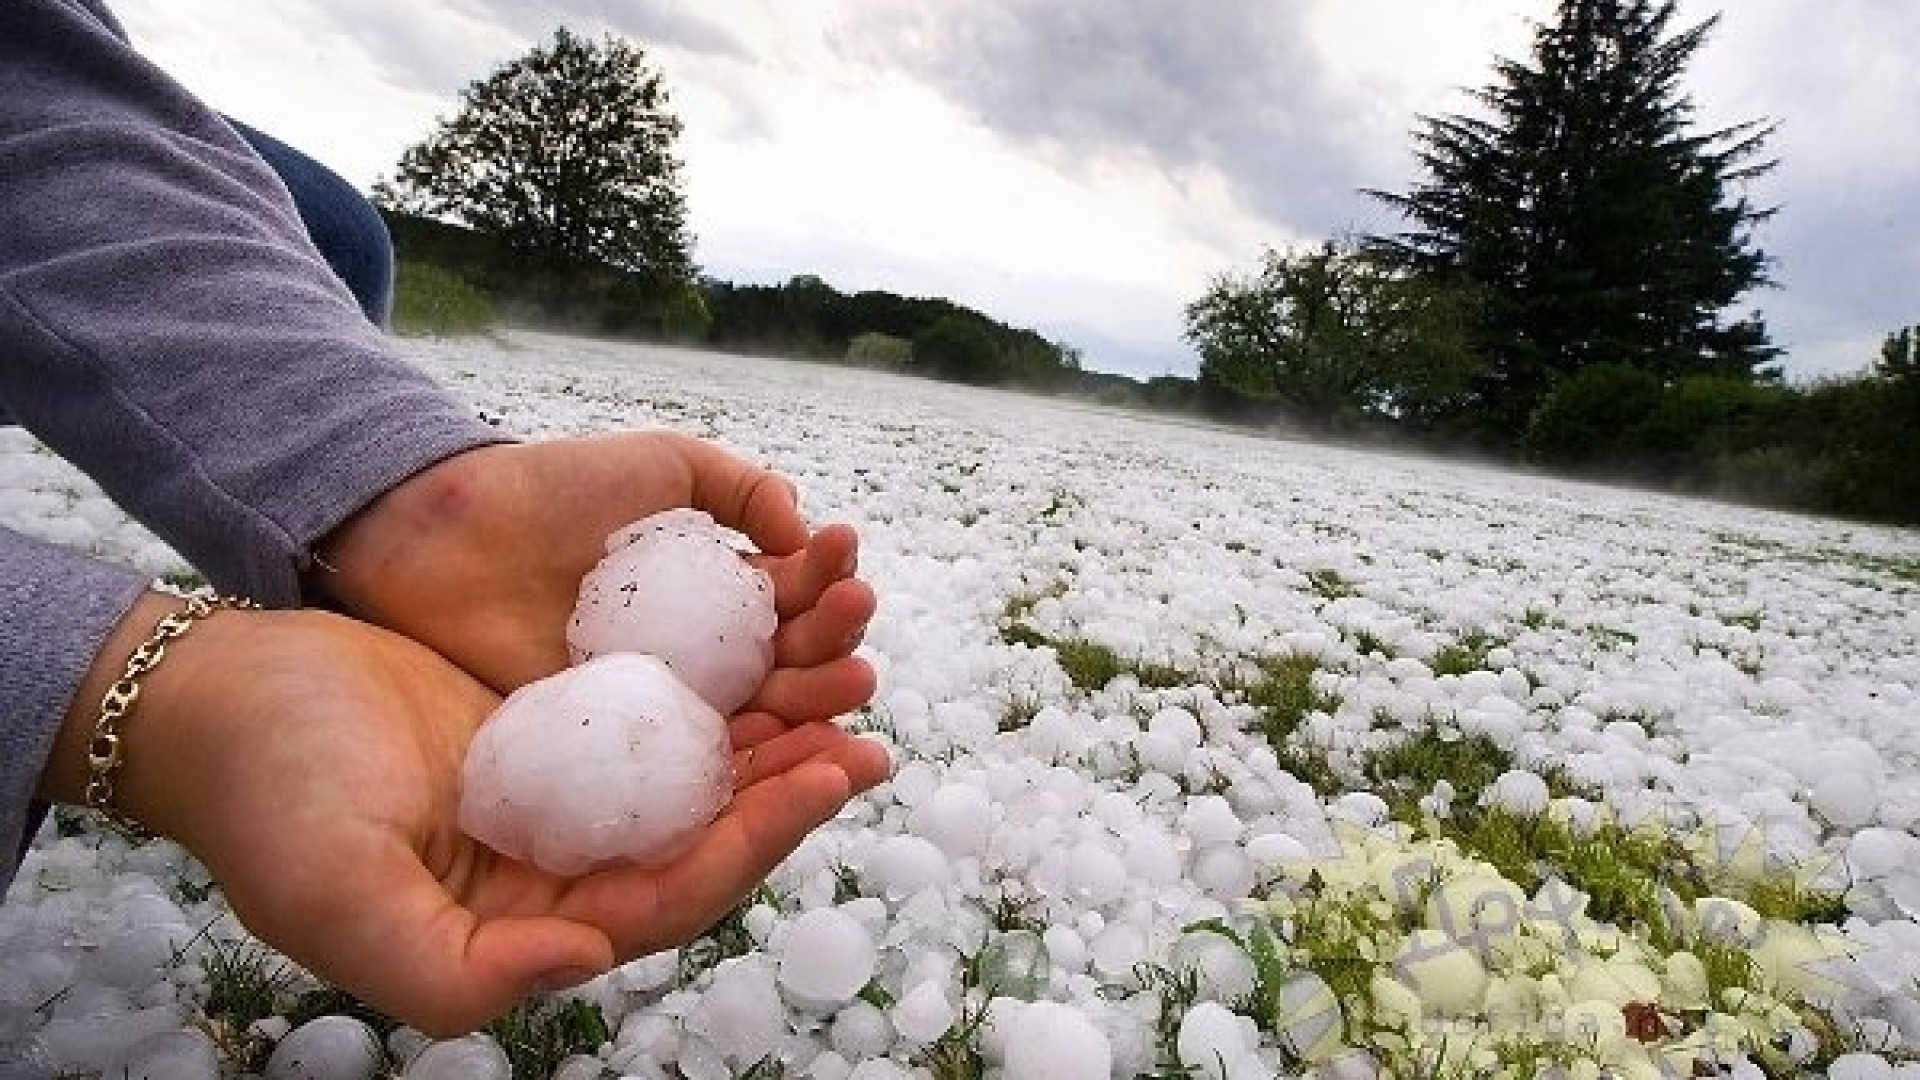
{"x":789,"y":749}
{"x":804,"y":695}
{"x":644,"y":911}
{"x":832,"y":628}
{"x":832,"y":554}
{"x":748,"y":730}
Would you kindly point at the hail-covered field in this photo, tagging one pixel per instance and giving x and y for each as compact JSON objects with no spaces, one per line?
{"x":1218,"y":756}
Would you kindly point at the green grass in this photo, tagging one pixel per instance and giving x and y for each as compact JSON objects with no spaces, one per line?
{"x":430,"y":299}
{"x":726,"y":939}
{"x":246,"y":982}
{"x":540,"y":1033}
{"x":1467,"y":654}
{"x":185,"y":580}
{"x":1405,"y":772}
{"x":1091,"y":665}
{"x":1329,"y":585}
{"x":1282,"y":690}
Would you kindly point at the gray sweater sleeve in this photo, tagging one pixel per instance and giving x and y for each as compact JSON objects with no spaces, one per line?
{"x":166,"y":326}
{"x":58,"y":606}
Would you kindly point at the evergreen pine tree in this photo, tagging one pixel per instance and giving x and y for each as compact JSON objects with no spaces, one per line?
{"x":1595,"y":224}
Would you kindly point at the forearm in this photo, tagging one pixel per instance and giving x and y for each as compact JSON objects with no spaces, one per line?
{"x":170,"y":329}
{"x":57,"y":610}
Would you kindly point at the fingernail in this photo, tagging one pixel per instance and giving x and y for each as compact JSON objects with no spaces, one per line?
{"x":562,"y":979}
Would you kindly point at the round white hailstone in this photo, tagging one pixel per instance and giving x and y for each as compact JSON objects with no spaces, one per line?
{"x":1222,"y":971}
{"x":1210,"y":1035}
{"x":326,"y":1048}
{"x":1725,"y":921}
{"x":1876,"y":853}
{"x":672,"y":586}
{"x":923,"y":1015}
{"x":1844,"y":798}
{"x":1117,"y":812}
{"x":1447,"y":975}
{"x":1179,"y":724}
{"x":1270,"y":850}
{"x":826,"y":957}
{"x":1210,"y":821}
{"x":913,"y":783}
{"x":476,"y":1057}
{"x":1519,"y":792}
{"x":957,"y":818}
{"x":1152,"y":858}
{"x":828,"y":1065}
{"x":740,"y":1015}
{"x":1050,"y":1041}
{"x":1095,"y":874}
{"x":1482,"y":911}
{"x":615,"y":761}
{"x":1065,"y":947}
{"x":1861,"y":1066}
{"x":861,"y":1031}
{"x":1359,"y":808}
{"x":175,"y":1055}
{"x":1117,"y":948}
{"x":1224,"y":873}
{"x":1308,"y":1019}
{"x":1163,"y":752}
{"x":903,"y":865}
{"x":138,"y":956}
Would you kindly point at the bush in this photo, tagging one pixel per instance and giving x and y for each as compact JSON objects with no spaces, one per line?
{"x":1587,"y":419}
{"x":960,"y":349}
{"x":1773,"y":476}
{"x":879,"y":350}
{"x":430,"y":299}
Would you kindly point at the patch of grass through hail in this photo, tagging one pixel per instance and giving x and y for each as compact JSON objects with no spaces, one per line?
{"x":1090,"y":665}
{"x":540,"y":1033}
{"x":1640,"y":879}
{"x":1282,"y":689}
{"x":248,"y":982}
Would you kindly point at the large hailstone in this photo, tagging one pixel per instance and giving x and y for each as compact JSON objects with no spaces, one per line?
{"x":615,"y":761}
{"x":673,"y":587}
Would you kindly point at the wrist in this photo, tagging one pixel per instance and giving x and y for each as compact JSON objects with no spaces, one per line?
{"x":403,"y":523}
{"x":122,"y":734}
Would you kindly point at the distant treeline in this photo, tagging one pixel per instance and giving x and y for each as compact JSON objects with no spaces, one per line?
{"x":452,"y":277}
{"x":1848,"y":445}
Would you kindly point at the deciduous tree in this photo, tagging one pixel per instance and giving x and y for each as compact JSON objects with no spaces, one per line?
{"x":567,"y":154}
{"x":1330,"y":334}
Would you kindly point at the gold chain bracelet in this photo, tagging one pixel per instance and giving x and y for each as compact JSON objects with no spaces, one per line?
{"x":105,"y":750}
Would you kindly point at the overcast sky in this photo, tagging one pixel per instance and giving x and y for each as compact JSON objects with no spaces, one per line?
{"x":1085,"y":167}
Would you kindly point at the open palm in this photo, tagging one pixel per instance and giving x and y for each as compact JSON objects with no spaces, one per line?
{"x":313,"y":763}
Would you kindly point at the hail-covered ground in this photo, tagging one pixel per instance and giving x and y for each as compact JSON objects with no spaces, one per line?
{"x":1218,"y":756}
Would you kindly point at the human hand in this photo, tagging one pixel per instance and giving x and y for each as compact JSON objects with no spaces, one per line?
{"x":313,"y":764}
{"x":481,"y":556}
